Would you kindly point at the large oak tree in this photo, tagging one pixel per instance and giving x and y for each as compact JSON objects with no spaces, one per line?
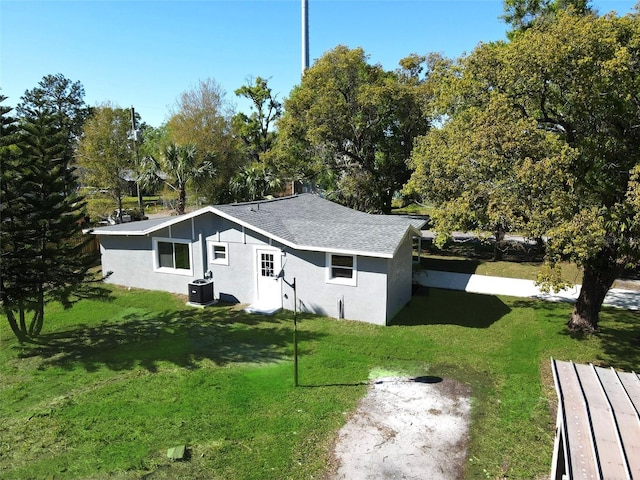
{"x":351,"y":125}
{"x":542,"y":134}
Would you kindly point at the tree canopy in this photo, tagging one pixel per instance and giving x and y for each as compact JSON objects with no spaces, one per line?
{"x":257,"y":130}
{"x":351,"y":125}
{"x":540,"y":135}
{"x":105,"y":153}
{"x":523,"y":14}
{"x":64,"y":99}
{"x":202,"y":118}
{"x":177,"y":167}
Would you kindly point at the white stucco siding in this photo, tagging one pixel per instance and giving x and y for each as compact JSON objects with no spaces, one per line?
{"x":365,"y":301}
{"x":132,"y":263}
{"x":399,"y":278}
{"x":235,"y":281}
{"x":228,"y":231}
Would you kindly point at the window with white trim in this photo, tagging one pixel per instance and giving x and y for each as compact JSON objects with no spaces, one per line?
{"x":218,"y":253}
{"x":342,"y":269}
{"x":416,"y":249}
{"x":172,"y":255}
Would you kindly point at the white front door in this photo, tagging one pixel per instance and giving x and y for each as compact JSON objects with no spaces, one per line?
{"x":268,"y":264}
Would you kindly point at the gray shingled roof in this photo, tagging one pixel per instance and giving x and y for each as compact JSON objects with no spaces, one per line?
{"x":312,"y":222}
{"x":139,"y":227}
{"x":304,"y":221}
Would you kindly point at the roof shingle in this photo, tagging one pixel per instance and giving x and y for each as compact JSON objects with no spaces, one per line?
{"x":303,"y":221}
{"x":312,"y":222}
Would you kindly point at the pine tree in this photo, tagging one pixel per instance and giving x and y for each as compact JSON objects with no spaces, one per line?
{"x":64,"y":99}
{"x":42,"y":259}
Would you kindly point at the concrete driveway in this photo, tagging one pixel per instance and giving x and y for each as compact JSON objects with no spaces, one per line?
{"x":617,"y":297}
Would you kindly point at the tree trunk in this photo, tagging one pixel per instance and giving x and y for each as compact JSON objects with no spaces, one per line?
{"x":23,"y":323}
{"x":119,"y":217}
{"x":140,"y":202}
{"x":182,"y":200}
{"x":540,"y":247}
{"x":387,"y":202}
{"x":497,"y":252}
{"x":38,"y":317}
{"x":14,"y":326}
{"x":599,"y":274}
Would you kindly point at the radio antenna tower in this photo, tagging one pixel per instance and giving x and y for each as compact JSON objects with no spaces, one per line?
{"x":305,"y":35}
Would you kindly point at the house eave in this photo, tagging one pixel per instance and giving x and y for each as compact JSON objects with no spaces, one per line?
{"x":210,"y":209}
{"x":295,"y":246}
{"x":170,"y":221}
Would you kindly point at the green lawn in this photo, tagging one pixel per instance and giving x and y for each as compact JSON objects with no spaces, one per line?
{"x":115,"y":384}
{"x":483,"y":266}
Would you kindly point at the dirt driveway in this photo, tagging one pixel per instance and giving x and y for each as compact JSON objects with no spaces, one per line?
{"x":406,"y":428}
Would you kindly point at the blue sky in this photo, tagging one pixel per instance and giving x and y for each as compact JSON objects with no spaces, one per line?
{"x":145,"y":53}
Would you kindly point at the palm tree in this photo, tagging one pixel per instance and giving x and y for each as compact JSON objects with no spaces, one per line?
{"x":254,"y":182}
{"x":179,"y":164}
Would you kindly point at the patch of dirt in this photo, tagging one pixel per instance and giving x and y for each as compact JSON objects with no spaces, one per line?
{"x":405,"y":428}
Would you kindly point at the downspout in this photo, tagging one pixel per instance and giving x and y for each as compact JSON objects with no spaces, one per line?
{"x":203,"y":253}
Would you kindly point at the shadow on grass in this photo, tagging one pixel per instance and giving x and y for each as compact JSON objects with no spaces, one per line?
{"x":620,"y":337}
{"x":455,"y":265}
{"x":221,"y":334}
{"x":449,"y":307}
{"x":473,"y":248}
{"x":327,"y":385}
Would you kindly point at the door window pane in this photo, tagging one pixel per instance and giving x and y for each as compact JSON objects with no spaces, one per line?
{"x":266,"y":265}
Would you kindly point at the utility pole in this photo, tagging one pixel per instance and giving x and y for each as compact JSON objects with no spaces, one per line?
{"x":134,"y":138}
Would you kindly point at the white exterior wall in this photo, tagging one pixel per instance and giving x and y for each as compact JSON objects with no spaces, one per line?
{"x":365,"y":302}
{"x":399,"y":278}
{"x":132,"y":259}
{"x":235,"y":282}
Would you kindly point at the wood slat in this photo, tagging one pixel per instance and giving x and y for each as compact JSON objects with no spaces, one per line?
{"x":631,"y":383}
{"x":599,"y":414}
{"x":631,"y":441}
{"x":604,"y":429}
{"x":581,"y":457}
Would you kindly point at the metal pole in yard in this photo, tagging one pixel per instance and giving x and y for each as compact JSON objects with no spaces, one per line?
{"x":295,"y":334}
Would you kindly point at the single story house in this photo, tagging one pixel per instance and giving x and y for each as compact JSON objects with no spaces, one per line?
{"x":598,"y":423}
{"x":346,"y":264}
